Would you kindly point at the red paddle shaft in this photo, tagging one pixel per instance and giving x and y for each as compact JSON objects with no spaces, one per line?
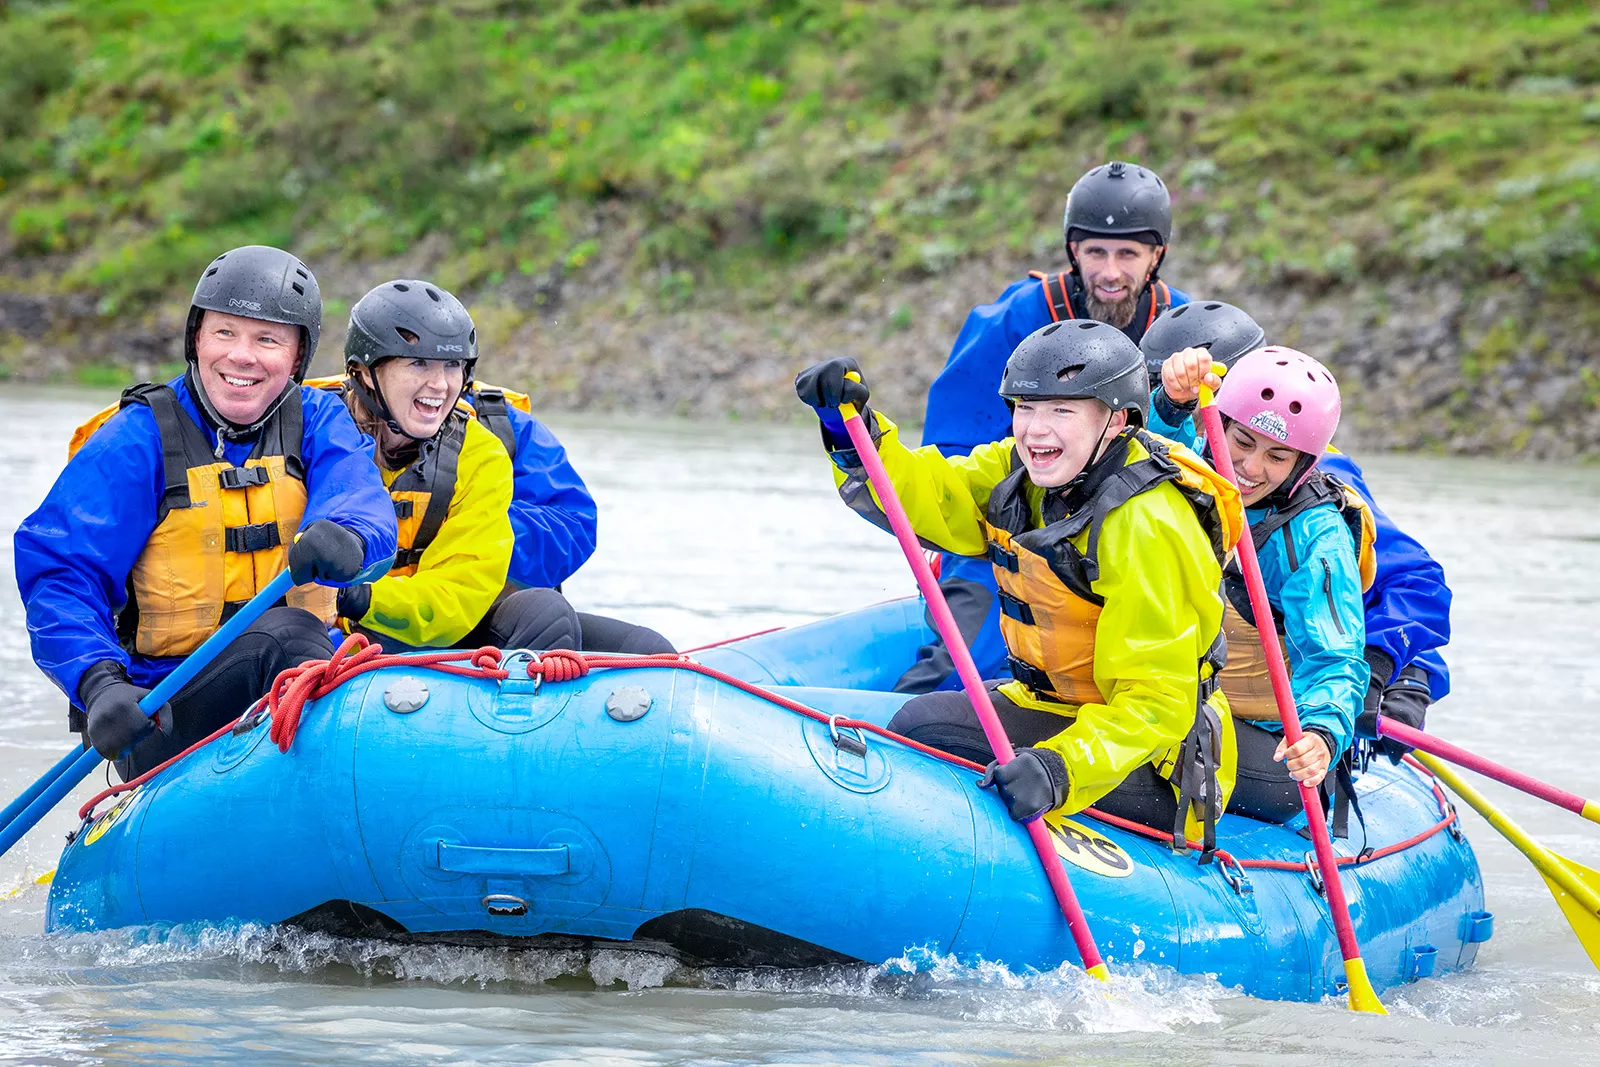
{"x":976,"y":692}
{"x":1338,"y":906}
{"x":1589,"y":809}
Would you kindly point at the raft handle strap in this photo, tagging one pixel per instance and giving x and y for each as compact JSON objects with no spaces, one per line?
{"x":856,"y":746}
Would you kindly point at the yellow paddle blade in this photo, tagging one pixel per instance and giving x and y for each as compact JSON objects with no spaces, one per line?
{"x":1575,"y":887}
{"x":1585,"y":923}
{"x":44,"y":879}
{"x":1362,"y":996}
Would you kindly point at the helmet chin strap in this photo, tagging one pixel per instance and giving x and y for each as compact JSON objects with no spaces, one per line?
{"x":375,"y":402}
{"x":226,"y":429}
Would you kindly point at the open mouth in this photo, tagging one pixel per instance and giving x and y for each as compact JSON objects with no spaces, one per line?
{"x":1043,"y":457}
{"x":429,"y":407}
{"x":1110,"y":294}
{"x":237,"y":382}
{"x":1249,"y":486}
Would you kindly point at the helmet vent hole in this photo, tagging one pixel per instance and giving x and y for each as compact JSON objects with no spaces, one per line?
{"x":1178,"y":311}
{"x":433,"y":295}
{"x":402,"y":286}
{"x":297,"y":287}
{"x":1310,"y":377}
{"x":302,"y":272}
{"x":1294,"y":407}
{"x":1066,"y":374}
{"x":1267,"y":394}
{"x":1283,"y":363}
{"x":1048,"y":330}
{"x":1088,"y":325}
{"x":1212,"y":307}
{"x":406,"y":335}
{"x":212,"y":271}
{"x":472,"y":338}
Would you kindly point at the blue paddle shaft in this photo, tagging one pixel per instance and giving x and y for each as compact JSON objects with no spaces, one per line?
{"x":38,"y":799}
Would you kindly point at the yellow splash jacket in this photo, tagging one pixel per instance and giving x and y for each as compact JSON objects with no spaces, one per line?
{"x":1144,"y":645}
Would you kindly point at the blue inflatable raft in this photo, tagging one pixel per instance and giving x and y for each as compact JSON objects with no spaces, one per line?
{"x":684,"y":814}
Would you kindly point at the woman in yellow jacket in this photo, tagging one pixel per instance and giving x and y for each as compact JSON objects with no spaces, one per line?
{"x":1107,"y":543}
{"x":409,"y":355}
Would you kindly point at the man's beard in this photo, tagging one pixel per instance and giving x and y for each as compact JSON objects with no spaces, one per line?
{"x":1118,"y":313}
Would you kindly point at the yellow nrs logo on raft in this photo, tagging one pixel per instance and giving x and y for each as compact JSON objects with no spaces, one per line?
{"x":1086,"y":848}
{"x":104,"y":822}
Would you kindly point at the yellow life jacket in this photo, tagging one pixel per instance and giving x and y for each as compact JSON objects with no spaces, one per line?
{"x":423,"y":489}
{"x":222,"y":532}
{"x":1049,"y":610}
{"x":1246,"y":680}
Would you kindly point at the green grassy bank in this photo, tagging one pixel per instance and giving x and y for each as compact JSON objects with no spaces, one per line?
{"x":753,"y":156}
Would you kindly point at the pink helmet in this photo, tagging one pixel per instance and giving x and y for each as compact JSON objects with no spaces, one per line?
{"x":1285,"y":395}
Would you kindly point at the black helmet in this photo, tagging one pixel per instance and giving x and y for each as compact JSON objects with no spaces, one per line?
{"x":411,"y":319}
{"x":254,"y":282}
{"x":260,"y":282}
{"x":1080,"y":358}
{"x":1224,"y":330}
{"x":1118,"y":200}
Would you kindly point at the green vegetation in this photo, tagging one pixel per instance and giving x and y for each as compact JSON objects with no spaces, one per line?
{"x":792,"y":149}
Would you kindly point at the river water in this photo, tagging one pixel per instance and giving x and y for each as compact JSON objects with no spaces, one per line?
{"x":714,"y":529}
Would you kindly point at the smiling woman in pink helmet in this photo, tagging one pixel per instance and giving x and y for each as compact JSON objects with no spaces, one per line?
{"x":1280,"y":409}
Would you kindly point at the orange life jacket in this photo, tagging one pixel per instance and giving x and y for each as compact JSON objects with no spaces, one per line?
{"x":1246,"y":680}
{"x":222,"y":532}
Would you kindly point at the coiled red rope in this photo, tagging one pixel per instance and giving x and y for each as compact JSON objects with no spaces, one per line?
{"x":293,"y":689}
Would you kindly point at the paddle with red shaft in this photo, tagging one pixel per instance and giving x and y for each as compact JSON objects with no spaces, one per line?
{"x":1362,"y":996}
{"x":1406,"y":735}
{"x":946,"y":625}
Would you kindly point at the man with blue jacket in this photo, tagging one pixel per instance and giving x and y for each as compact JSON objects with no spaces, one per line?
{"x":183,"y":501}
{"x":1117,"y":224}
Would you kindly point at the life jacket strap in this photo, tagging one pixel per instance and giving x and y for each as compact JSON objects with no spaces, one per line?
{"x":407,"y":557}
{"x":1015,"y":608}
{"x":1035,"y":679}
{"x":1003,"y":557}
{"x":242,"y":477}
{"x":1057,"y":298}
{"x":404,"y":509}
{"x":495,"y":415}
{"x":256,"y":537}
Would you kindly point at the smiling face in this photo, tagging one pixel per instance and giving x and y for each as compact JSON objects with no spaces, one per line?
{"x":421,"y":392}
{"x":1259,"y":463}
{"x":1114,"y":273}
{"x":244,"y":364}
{"x":1056,"y":438}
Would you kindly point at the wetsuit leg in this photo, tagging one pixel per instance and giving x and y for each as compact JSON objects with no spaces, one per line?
{"x":530,"y":618}
{"x":604,"y":634}
{"x":969,"y":588}
{"x":946,"y":721}
{"x":1265,"y":789}
{"x":283,"y":637}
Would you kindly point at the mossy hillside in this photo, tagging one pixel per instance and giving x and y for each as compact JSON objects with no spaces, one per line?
{"x":789,"y":153}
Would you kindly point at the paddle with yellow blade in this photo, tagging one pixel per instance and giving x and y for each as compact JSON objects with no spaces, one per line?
{"x":1362,"y":996}
{"x":1575,"y":887}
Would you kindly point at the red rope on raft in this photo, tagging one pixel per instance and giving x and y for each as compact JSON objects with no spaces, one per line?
{"x":295,"y":687}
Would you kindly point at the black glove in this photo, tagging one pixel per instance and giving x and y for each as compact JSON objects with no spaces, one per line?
{"x":326,"y":552}
{"x":111,"y":704}
{"x":825,"y":386}
{"x":1031,"y":784}
{"x":355,"y":600}
{"x":1405,"y":700}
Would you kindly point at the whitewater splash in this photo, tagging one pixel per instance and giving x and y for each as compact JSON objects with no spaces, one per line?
{"x":1139,"y":998}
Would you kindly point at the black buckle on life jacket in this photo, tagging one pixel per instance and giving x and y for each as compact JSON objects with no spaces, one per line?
{"x":253,"y":538}
{"x":1035,"y":679}
{"x":1002,"y":557}
{"x":242,"y":477}
{"x":1013,"y":608}
{"x":403,"y":508}
{"x":408,"y":557}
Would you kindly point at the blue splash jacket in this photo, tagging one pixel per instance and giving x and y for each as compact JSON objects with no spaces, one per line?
{"x":73,"y":554}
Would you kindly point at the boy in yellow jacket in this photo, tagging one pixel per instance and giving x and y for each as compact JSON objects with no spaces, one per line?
{"x":1107,"y":543}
